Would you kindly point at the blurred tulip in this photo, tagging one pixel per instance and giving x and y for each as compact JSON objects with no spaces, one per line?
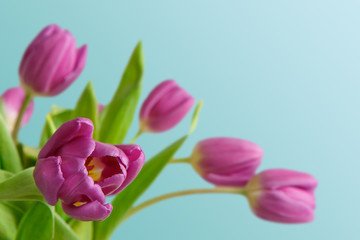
{"x":226,"y":161}
{"x":281,"y":195}
{"x":51,"y":62}
{"x":81,"y":171}
{"x":12,"y":101}
{"x":166,"y":106}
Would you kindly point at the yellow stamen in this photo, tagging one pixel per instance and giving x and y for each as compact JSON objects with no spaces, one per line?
{"x":78,"y":204}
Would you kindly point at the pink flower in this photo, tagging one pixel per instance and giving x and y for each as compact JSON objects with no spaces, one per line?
{"x":166,"y":106}
{"x":281,"y":195}
{"x":81,"y":171}
{"x":51,"y":62}
{"x":226,"y":161}
{"x":13,"y":99}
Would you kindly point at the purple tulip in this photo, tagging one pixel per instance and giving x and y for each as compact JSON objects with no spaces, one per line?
{"x":51,"y":62}
{"x":281,"y":195}
{"x":226,"y":161}
{"x":13,"y":99}
{"x":166,"y":106}
{"x":81,"y":171}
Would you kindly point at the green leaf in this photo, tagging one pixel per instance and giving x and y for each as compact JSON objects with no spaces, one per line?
{"x":125,"y":199}
{"x":37,"y":223}
{"x":87,"y":106}
{"x":59,"y":210}
{"x":21,"y":186}
{"x":83,"y":229}
{"x":5,"y":175}
{"x":9,"y":220}
{"x":117,"y":116}
{"x":195,"y":117}
{"x":63,"y":230}
{"x":48,"y":130}
{"x":9,"y":157}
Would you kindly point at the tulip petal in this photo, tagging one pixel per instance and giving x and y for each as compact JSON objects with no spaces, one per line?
{"x":79,"y":127}
{"x":278,"y":178}
{"x":13,"y":99}
{"x":277,"y":206}
{"x":92,"y":211}
{"x":77,"y":68}
{"x":80,"y":147}
{"x":48,"y":178}
{"x":79,"y":188}
{"x":155,"y":95}
{"x":136,"y":162}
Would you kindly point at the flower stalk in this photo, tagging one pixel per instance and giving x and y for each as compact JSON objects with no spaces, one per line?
{"x":24,"y":104}
{"x":148,"y":203}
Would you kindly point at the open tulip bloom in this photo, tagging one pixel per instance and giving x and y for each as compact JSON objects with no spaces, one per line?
{"x":83,"y":157}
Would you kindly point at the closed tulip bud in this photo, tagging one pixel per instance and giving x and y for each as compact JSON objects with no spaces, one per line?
{"x":51,"y":62}
{"x":226,"y":161}
{"x":166,"y":106}
{"x":12,"y":100}
{"x":283,"y":196}
{"x":82,"y":172}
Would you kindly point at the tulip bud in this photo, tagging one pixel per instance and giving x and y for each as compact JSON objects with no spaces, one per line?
{"x":12,"y":101}
{"x":283,"y":196}
{"x":51,"y":62}
{"x":81,"y":172}
{"x":166,"y":106}
{"x":226,"y":161}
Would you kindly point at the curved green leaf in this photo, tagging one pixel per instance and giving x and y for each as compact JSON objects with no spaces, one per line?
{"x":195,"y":117}
{"x":63,"y":230}
{"x":83,"y":229}
{"x":21,"y":186}
{"x":5,"y":175}
{"x":116,"y":118}
{"x":9,"y":220}
{"x":9,"y":157}
{"x":37,"y":223}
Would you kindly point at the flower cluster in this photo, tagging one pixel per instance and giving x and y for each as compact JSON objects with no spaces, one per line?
{"x":81,"y":170}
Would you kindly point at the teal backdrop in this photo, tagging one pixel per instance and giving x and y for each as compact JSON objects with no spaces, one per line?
{"x":284,"y":74}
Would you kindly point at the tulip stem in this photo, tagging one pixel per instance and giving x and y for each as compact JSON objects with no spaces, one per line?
{"x":24,"y":104}
{"x":179,"y":160}
{"x":136,"y":136}
{"x":152,"y":201}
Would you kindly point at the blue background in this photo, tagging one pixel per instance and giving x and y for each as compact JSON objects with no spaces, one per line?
{"x":284,"y":74}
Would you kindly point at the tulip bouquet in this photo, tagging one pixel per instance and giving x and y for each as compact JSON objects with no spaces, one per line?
{"x":58,"y":189}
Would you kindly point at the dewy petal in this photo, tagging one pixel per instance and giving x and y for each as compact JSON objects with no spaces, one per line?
{"x":48,"y":178}
{"x":92,"y":211}
{"x":78,"y":127}
{"x":136,"y":161}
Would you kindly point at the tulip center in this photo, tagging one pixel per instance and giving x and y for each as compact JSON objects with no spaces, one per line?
{"x":100,"y":168}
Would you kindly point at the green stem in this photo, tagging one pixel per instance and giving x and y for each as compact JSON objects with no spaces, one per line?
{"x":136,"y":136}
{"x":179,"y":160}
{"x":24,"y":104}
{"x":152,"y":201}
